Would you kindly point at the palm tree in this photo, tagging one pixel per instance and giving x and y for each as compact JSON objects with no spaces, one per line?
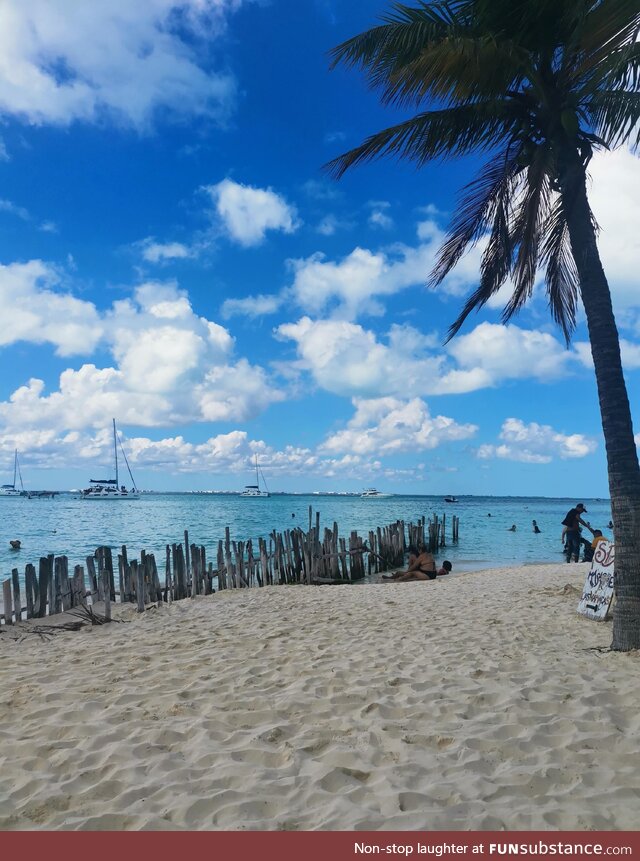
{"x":537,"y":85}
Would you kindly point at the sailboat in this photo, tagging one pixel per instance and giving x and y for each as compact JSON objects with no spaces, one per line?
{"x":11,"y":489}
{"x":110,"y":488}
{"x":253,"y":490}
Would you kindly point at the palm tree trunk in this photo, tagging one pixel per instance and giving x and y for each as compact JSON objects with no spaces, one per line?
{"x":622,"y":457}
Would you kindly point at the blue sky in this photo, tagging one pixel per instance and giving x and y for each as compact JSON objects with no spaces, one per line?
{"x":171,"y":254}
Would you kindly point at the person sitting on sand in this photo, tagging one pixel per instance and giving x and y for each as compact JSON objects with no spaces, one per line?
{"x":422,"y":566}
{"x":445,"y":568}
{"x":597,"y":538}
{"x":535,"y":528}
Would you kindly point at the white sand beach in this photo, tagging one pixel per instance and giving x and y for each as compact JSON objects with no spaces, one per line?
{"x":479,"y":701}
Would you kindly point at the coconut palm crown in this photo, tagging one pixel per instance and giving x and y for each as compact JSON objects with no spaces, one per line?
{"x":538,"y":86}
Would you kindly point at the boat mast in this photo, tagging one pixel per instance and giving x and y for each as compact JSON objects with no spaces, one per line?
{"x":257,"y":479}
{"x":115,"y":449}
{"x":15,"y":467}
{"x":19,"y":473}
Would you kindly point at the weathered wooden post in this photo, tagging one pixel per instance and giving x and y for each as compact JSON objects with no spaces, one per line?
{"x":30,"y":588}
{"x":6,"y":600}
{"x":17,"y":598}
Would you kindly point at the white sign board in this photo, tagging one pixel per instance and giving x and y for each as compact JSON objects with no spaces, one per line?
{"x":598,"y":587}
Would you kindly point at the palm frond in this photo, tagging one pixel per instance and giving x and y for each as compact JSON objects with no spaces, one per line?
{"x":457,"y":69}
{"x":475,"y":212}
{"x":562,"y":279}
{"x":609,"y":25}
{"x":608,"y":70}
{"x":615,"y":117}
{"x":396,"y":42}
{"x":435,"y":134}
{"x":526,"y":229}
{"x":496,"y":260}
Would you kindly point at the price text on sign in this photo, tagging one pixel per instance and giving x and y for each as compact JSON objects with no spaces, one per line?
{"x":598,"y":587}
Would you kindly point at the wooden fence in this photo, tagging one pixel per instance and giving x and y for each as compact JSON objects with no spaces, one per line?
{"x":293,"y":556}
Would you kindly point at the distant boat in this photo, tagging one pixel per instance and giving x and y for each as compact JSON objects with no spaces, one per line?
{"x":372,"y":493}
{"x":450,"y":499}
{"x":11,"y":489}
{"x":253,"y":490}
{"x":110,"y":488}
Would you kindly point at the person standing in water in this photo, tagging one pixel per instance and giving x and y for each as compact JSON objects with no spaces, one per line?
{"x":535,"y":528}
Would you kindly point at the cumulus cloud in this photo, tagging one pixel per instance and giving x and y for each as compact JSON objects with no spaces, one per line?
{"x":61,"y":62}
{"x":4,"y":152}
{"x":615,"y":199}
{"x":384,"y":426}
{"x":534,"y":443}
{"x":247,"y":213}
{"x":36,"y":310}
{"x":170,"y":365}
{"x":509,"y":352}
{"x":349,"y":360}
{"x":353,"y":286}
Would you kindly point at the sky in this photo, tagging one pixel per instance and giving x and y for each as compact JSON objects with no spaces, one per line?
{"x":174,"y":256}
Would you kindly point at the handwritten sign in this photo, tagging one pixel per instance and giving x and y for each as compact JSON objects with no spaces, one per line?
{"x":598,"y":587}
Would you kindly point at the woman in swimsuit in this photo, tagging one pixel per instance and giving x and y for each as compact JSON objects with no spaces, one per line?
{"x":422,"y":566}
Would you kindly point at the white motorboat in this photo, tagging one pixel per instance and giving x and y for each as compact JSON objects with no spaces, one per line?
{"x":372,"y":493}
{"x":110,"y":488}
{"x":253,"y":490}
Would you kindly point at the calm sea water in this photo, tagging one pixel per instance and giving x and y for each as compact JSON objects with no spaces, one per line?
{"x":75,"y":527}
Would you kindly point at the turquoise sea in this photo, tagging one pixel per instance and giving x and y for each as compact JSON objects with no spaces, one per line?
{"x":75,"y":527}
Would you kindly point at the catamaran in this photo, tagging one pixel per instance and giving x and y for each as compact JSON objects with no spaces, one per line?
{"x":253,"y":490}
{"x":110,"y":488}
{"x":11,"y":489}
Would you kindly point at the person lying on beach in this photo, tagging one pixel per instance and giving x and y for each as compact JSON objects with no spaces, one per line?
{"x":422,"y":566}
{"x":445,"y":569}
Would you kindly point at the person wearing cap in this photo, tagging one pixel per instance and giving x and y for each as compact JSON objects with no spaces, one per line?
{"x":571,"y":532}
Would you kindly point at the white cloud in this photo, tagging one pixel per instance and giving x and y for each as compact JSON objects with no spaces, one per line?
{"x":251,"y":306}
{"x":534,"y":443}
{"x":510,"y":352}
{"x":35,"y":310}
{"x":352,"y":286}
{"x":48,"y":227}
{"x":378,"y":216}
{"x":158,"y":252}
{"x":348,"y":360}
{"x":170,"y":364}
{"x":384,"y":426}
{"x":247,"y":212}
{"x":330,"y":224}
{"x":629,"y":353}
{"x":4,"y":153}
{"x":14,"y":209}
{"x":614,"y":195}
{"x":67,"y":61}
